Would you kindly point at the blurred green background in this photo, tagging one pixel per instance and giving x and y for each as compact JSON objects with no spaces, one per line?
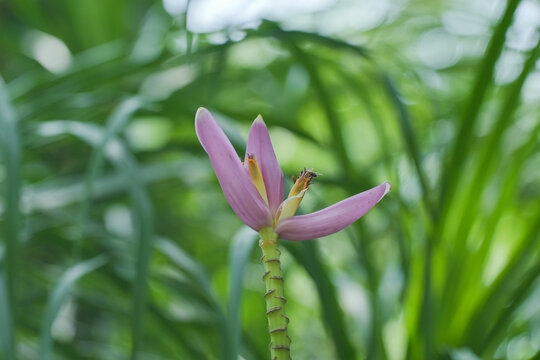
{"x":117,"y":242}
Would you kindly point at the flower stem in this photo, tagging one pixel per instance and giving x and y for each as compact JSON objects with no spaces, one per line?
{"x":275,"y":301}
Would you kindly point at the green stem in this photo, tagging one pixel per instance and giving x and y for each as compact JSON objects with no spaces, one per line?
{"x":275,"y":301}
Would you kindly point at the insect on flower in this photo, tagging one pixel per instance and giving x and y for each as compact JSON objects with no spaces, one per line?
{"x":254,"y":187}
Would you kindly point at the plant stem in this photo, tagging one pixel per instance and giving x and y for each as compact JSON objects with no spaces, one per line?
{"x":275,"y":301}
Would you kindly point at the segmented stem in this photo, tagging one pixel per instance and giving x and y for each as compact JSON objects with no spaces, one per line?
{"x":275,"y":300}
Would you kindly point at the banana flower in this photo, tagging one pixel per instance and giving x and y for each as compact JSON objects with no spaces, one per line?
{"x":254,"y":189}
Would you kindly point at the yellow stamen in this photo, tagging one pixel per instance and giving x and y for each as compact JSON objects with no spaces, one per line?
{"x":256,"y":176}
{"x":301,"y":185}
{"x":304,"y":180}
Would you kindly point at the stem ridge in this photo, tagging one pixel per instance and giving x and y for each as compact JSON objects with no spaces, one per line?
{"x":275,"y":300}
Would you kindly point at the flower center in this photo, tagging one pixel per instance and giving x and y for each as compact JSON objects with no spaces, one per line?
{"x":301,"y":185}
{"x":305,"y":178}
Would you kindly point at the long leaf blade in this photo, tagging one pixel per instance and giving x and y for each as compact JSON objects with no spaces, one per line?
{"x":58,"y":297}
{"x":242,"y":245}
{"x":9,"y":136}
{"x":306,"y":254}
{"x":475,"y":100}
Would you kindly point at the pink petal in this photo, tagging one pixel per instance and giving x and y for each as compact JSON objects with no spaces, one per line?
{"x":233,"y":177}
{"x":259,"y":144}
{"x":333,"y":218}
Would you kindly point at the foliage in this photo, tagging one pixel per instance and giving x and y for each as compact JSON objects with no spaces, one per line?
{"x":117,"y":240}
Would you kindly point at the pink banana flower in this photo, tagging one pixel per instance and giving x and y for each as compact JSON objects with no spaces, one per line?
{"x":254,"y":188}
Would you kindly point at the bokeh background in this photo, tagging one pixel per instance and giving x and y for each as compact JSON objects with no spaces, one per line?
{"x":117,"y":242}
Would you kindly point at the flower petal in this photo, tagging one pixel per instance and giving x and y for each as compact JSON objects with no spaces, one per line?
{"x":288,"y":208}
{"x":260,"y":146}
{"x":333,"y":218}
{"x":234,"y":179}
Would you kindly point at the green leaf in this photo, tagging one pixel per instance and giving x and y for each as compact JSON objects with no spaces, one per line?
{"x":475,"y":101}
{"x":9,"y":136}
{"x":242,"y":246}
{"x":100,"y":140}
{"x":306,"y":253}
{"x":409,"y":138}
{"x":58,"y":297}
{"x":496,"y":334}
{"x":487,"y":164}
{"x":183,"y":260}
{"x":328,"y":107}
{"x":200,"y":277}
{"x":6,"y":322}
{"x":108,"y":145}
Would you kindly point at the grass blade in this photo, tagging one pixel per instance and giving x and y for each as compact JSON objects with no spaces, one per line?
{"x":108,"y":145}
{"x":497,"y":296}
{"x":502,"y":322}
{"x":241,"y":248}
{"x":197,"y":273}
{"x":143,"y":213}
{"x":375,"y":345}
{"x":306,"y":253}
{"x":6,"y":325}
{"x":9,"y":136}
{"x":328,"y":107}
{"x":487,"y":158}
{"x":143,"y":217}
{"x":57,"y":298}
{"x":472,"y":108}
{"x":187,"y":263}
{"x":270,"y":28}
{"x":488,"y":162}
{"x":409,"y":138}
{"x":115,"y":123}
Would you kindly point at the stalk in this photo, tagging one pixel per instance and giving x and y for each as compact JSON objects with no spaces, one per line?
{"x":275,"y":300}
